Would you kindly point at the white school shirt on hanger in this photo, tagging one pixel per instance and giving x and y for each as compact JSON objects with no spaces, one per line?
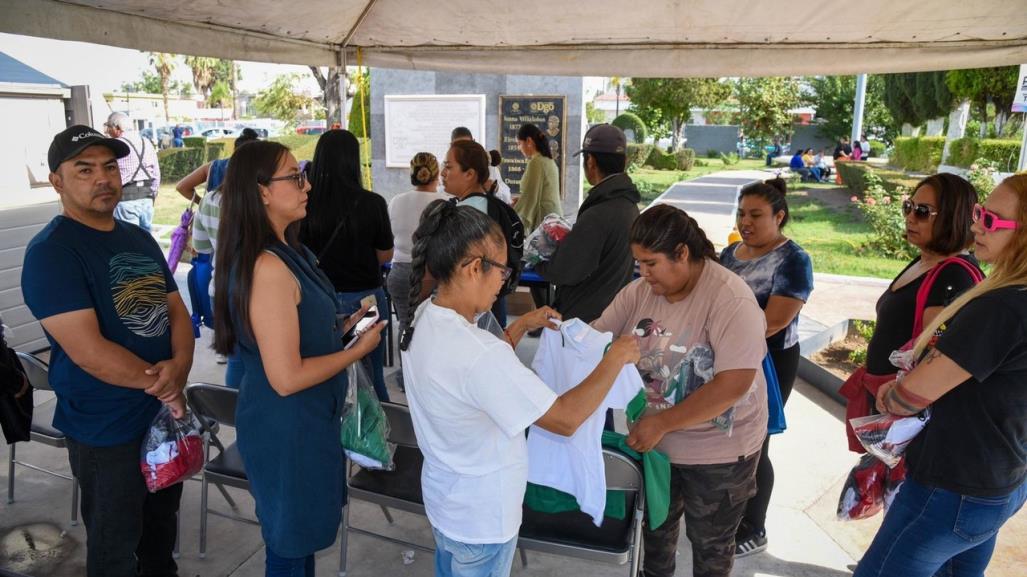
{"x":575,"y":464}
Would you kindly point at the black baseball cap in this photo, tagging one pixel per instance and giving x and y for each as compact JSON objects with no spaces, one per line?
{"x":604,"y":138}
{"x":73,"y":140}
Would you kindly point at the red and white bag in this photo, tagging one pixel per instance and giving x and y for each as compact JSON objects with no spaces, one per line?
{"x":172,"y":450}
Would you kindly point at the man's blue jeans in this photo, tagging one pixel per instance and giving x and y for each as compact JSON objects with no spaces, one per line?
{"x":456,"y":559}
{"x":930,"y":531}
{"x":138,"y":212}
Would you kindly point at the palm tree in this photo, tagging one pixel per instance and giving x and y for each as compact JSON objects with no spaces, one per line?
{"x":203,"y":69}
{"x":617,"y":83}
{"x":164,"y":63}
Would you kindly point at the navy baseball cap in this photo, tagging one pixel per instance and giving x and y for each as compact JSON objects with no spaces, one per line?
{"x":73,"y":140}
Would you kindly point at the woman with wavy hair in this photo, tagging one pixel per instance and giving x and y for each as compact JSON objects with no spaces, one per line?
{"x":966,"y":469}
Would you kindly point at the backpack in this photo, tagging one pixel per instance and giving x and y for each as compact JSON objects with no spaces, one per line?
{"x":513,"y":231}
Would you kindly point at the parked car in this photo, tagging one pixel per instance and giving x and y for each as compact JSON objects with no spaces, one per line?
{"x":212,"y":133}
{"x":312,"y":127}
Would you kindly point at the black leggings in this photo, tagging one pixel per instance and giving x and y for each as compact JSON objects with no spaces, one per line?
{"x":786,"y":363}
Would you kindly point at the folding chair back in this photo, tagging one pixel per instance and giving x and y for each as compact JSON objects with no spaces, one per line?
{"x":214,"y":402}
{"x":36,"y":370}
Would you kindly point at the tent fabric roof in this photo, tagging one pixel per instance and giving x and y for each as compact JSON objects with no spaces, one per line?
{"x":17,"y":72}
{"x":599,"y":37}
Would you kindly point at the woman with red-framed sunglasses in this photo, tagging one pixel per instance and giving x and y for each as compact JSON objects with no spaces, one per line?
{"x":966,"y":470}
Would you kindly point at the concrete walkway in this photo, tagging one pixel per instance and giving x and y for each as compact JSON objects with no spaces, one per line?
{"x":712,"y":200}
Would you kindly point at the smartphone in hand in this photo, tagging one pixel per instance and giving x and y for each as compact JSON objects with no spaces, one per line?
{"x":367,"y":321}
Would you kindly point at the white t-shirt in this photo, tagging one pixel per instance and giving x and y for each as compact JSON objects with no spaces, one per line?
{"x":405,"y":213}
{"x":575,"y":464}
{"x":502,"y":189}
{"x":471,"y":400}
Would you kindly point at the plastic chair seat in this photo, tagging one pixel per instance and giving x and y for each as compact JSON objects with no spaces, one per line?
{"x":404,"y":483}
{"x":576,"y":529}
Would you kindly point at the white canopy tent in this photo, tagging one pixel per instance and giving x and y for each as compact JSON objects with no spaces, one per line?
{"x":658,"y":38}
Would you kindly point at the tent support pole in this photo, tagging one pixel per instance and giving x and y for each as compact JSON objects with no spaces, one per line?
{"x":857,"y":109}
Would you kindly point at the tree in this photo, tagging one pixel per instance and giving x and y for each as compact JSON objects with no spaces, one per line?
{"x":164,"y":64}
{"x":834,"y":98}
{"x":279,"y":101}
{"x":593,"y":115}
{"x":674,"y":98}
{"x":984,"y":86}
{"x":765,"y":106}
{"x":914,"y":98}
{"x":202,"y":69}
{"x":220,"y":96}
{"x":330,"y":92}
{"x":358,"y":118}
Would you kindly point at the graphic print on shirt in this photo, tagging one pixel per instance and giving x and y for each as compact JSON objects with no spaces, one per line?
{"x":139,"y":293}
{"x":672,"y":369}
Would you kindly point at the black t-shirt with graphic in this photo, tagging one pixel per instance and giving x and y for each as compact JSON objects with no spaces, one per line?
{"x":976,"y":441}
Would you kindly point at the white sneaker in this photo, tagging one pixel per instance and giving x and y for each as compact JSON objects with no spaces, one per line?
{"x":221,"y":359}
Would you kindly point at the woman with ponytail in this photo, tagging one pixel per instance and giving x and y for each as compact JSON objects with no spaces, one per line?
{"x":470,"y":397}
{"x":693,"y":316}
{"x":966,"y":469}
{"x":540,"y":183}
{"x":780,"y":274}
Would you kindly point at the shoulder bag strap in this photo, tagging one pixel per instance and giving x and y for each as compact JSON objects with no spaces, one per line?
{"x":925,"y":288}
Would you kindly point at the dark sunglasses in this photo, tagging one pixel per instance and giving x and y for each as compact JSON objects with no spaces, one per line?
{"x":920,"y":211}
{"x":300,"y":178}
{"x":991,"y":221}
{"x":487,"y":264}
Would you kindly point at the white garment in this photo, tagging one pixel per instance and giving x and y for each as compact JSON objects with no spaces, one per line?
{"x":502,"y":189}
{"x":405,"y":213}
{"x":471,"y":400}
{"x":575,"y":464}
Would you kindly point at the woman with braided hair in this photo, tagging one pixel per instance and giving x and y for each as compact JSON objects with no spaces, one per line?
{"x":702,"y":347}
{"x":470,"y":397}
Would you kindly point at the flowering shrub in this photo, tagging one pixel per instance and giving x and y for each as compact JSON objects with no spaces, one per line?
{"x":882,"y":210}
{"x":982,"y":176}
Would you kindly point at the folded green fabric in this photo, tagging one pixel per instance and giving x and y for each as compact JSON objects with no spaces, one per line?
{"x":365,"y":429}
{"x":655,"y":469}
{"x":549,"y":500}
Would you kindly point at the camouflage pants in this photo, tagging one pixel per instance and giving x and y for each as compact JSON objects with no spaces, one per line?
{"x":712,"y":499}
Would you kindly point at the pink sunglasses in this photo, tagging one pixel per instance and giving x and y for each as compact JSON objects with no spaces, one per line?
{"x":991,"y":221}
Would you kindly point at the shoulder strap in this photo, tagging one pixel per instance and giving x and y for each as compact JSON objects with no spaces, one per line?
{"x":925,"y":288}
{"x":141,"y":165}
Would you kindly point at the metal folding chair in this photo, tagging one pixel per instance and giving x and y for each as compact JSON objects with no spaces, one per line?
{"x":572,"y":534}
{"x":42,"y":431}
{"x":397,"y":489}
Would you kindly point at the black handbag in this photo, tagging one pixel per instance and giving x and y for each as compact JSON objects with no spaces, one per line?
{"x":15,"y":396}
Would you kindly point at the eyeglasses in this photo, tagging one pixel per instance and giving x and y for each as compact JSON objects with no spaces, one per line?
{"x":991,"y":221}
{"x":920,"y":211}
{"x":487,"y":264}
{"x":300,"y":178}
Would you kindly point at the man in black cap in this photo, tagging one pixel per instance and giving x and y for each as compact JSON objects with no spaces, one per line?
{"x":121,"y":345}
{"x":594,"y":261}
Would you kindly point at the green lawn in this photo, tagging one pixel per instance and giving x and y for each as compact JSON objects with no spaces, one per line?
{"x":833,"y":238}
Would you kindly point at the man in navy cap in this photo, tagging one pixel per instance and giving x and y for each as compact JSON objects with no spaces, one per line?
{"x":121,"y":345}
{"x":594,"y":261}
